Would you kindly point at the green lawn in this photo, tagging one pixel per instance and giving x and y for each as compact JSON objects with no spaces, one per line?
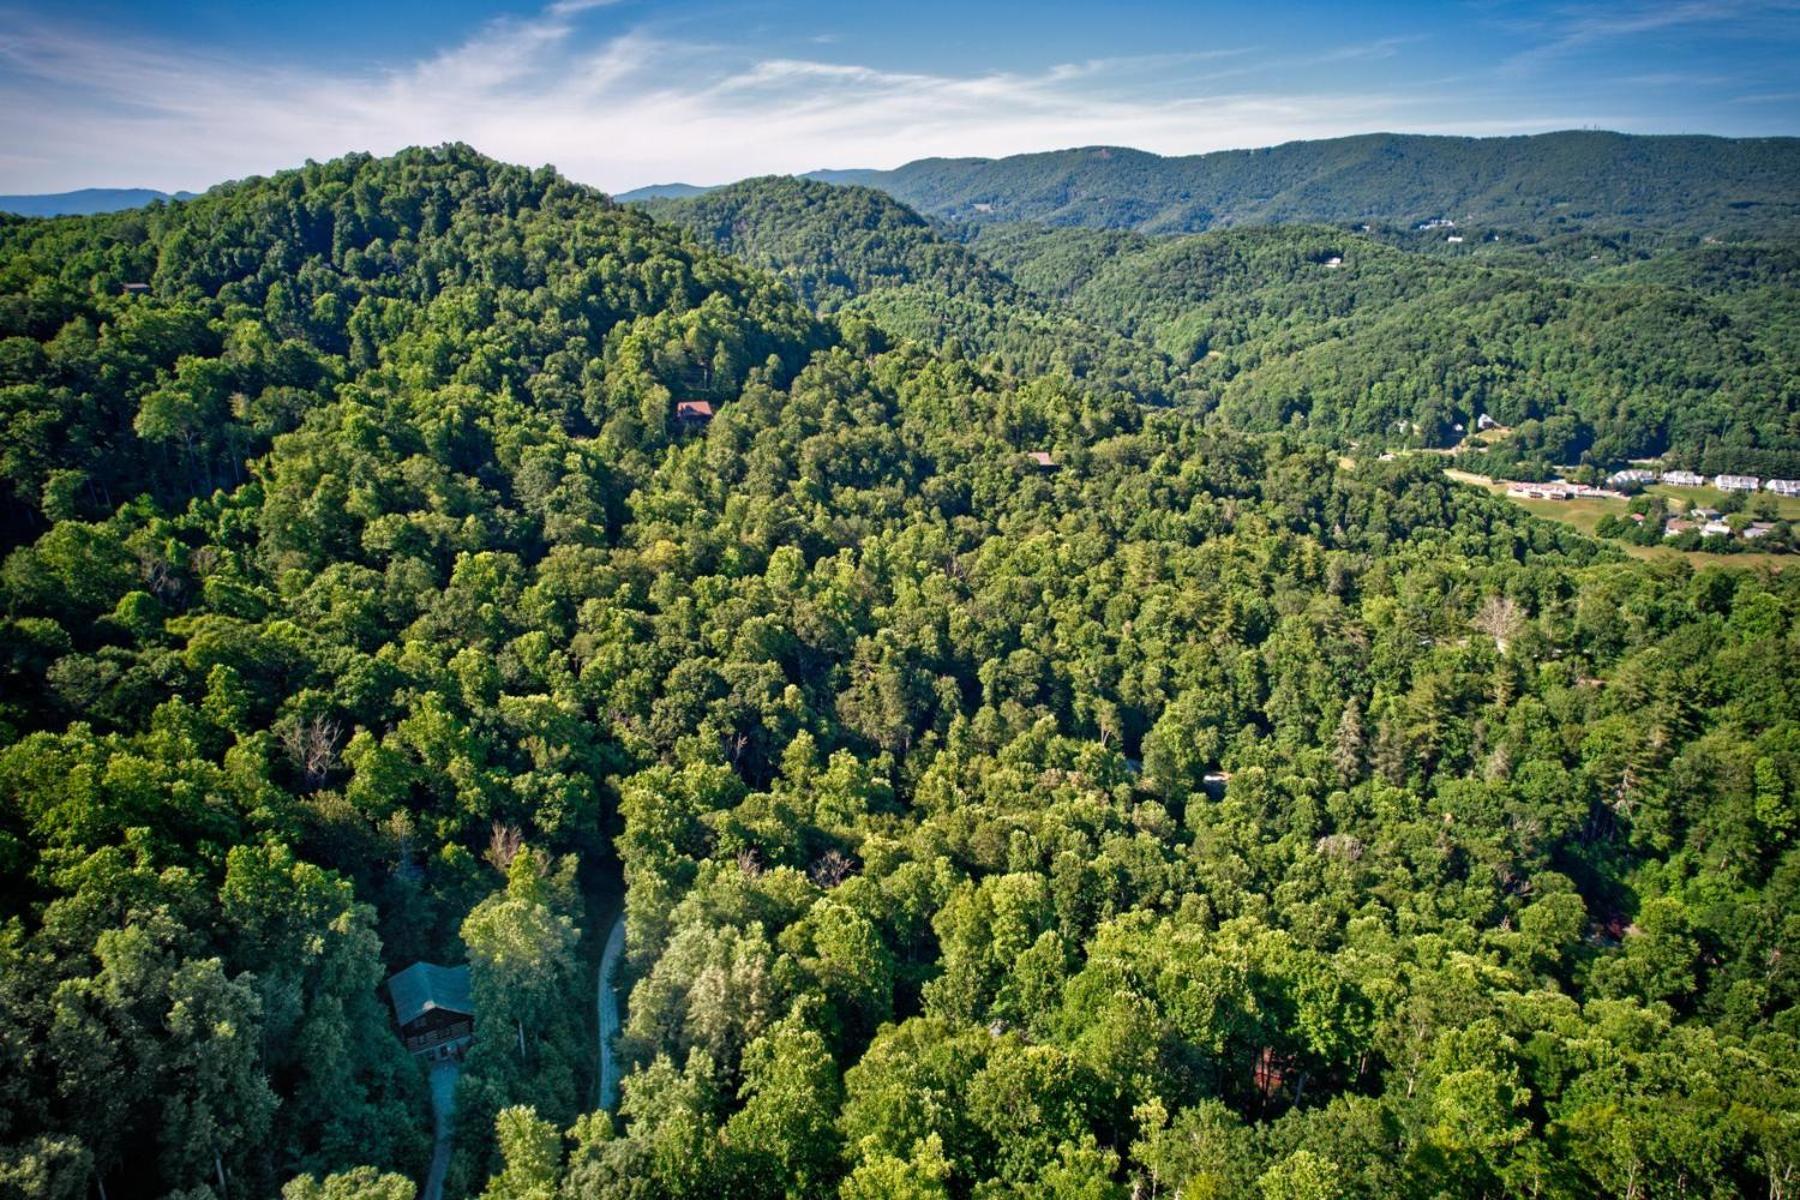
{"x":1585,"y":514}
{"x":1788,"y":507}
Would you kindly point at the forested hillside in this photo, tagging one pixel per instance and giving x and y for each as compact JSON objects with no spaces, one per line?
{"x":1337,"y":334}
{"x":1175,"y":813}
{"x":1668,"y":356}
{"x":857,"y":252}
{"x":1571,"y":180}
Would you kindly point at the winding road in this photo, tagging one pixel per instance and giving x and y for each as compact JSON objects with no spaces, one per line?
{"x":609,"y":1015}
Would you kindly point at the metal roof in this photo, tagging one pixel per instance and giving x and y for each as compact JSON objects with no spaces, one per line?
{"x":425,"y":986}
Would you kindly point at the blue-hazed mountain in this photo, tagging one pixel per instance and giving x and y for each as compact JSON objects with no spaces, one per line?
{"x":85,"y":202}
{"x":1556,"y":180}
{"x":660,"y":191}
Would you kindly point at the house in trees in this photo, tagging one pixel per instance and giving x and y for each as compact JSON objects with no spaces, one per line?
{"x":1042,"y":459}
{"x":433,"y":1008}
{"x":691,"y":414}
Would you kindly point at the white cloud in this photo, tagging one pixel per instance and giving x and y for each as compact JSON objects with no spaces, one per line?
{"x":87,"y":107}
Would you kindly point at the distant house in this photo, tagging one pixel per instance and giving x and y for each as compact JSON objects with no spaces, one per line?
{"x":1783,"y":487}
{"x":1716,"y":529}
{"x":1485,"y":423}
{"x":1333,"y":263}
{"x":1454,"y":239}
{"x":1703,"y":513}
{"x":1637,"y":518}
{"x":134,"y":289}
{"x":693,"y":412}
{"x":1758,"y":529}
{"x":1042,"y":459}
{"x":1683,"y":479}
{"x":433,"y":1008}
{"x":1736,"y":483}
{"x":1677,"y":528}
{"x":1635,"y":476}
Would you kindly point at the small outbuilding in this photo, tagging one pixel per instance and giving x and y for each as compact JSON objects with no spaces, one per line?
{"x":433,"y":1008}
{"x":1042,"y":459}
{"x":693,"y":412}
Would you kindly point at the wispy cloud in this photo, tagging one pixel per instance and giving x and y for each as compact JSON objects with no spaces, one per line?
{"x":1585,"y":27}
{"x":619,"y":106}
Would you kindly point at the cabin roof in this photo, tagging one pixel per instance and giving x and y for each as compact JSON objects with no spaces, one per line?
{"x":425,"y":987}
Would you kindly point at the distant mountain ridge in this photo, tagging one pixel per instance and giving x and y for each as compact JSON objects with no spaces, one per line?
{"x":1565,"y":180}
{"x":661,"y":191}
{"x":85,"y":202}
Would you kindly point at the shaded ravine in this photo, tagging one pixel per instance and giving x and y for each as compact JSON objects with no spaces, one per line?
{"x":609,"y":1015}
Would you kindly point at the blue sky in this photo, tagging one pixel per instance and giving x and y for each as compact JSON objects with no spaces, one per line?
{"x":620,"y":93}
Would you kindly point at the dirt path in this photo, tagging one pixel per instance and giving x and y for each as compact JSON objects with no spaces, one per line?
{"x":609,"y":1016}
{"x":443,"y":1116}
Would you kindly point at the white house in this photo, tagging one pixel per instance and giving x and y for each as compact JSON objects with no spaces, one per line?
{"x":1716,"y":529}
{"x":1758,"y":529}
{"x":1635,"y":475}
{"x":1683,"y":479}
{"x":1783,"y":487}
{"x":1736,"y":483}
{"x":1485,"y":422}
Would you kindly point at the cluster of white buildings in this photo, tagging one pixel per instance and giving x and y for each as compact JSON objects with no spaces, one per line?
{"x":1692,"y":479}
{"x":1558,"y":489}
{"x":1754,"y":531}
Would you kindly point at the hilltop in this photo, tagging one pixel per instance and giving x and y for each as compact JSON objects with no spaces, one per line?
{"x":860,"y":253}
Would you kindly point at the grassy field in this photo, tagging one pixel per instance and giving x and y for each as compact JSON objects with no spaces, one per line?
{"x":1585,"y":514}
{"x":1787,"y":507}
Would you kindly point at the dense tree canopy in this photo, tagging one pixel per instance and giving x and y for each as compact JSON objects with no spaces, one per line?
{"x":1183,"y":813}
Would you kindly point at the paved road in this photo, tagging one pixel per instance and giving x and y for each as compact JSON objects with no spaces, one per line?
{"x":443,"y":1124}
{"x":609,"y":1017}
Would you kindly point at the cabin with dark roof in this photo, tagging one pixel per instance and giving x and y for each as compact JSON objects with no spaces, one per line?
{"x":433,"y":1008}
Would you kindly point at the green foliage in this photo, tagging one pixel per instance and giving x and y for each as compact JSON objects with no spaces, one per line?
{"x":1555,"y":180}
{"x":857,"y":253}
{"x":1197,"y":815}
